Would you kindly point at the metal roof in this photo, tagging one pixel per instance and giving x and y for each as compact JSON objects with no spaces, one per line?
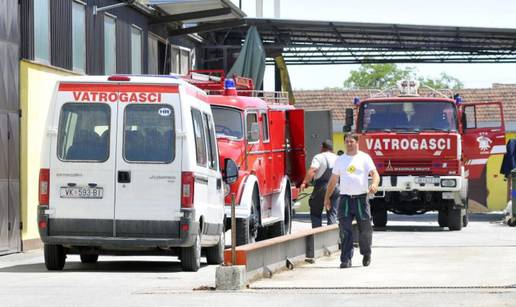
{"x":196,"y":11}
{"x":324,"y":42}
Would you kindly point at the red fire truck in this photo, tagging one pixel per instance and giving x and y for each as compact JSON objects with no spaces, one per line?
{"x":265,"y":137}
{"x":428,"y":150}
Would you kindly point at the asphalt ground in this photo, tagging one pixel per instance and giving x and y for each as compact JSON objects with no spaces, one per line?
{"x":415,"y":262}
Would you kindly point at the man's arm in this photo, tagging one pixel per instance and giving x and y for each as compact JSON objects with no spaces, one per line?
{"x":373,"y":188}
{"x":329,"y":190}
{"x":309,"y":175}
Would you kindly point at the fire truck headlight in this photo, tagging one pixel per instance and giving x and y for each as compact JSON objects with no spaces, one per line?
{"x":448,"y":183}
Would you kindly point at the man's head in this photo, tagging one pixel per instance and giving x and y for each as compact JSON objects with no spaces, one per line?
{"x":351,"y":141}
{"x":327,"y":145}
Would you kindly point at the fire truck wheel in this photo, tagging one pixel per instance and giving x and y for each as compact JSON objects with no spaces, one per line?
{"x":454,"y":218}
{"x":215,"y":254}
{"x":55,"y":256}
{"x":191,"y":256}
{"x":247,"y":229}
{"x":287,"y":222}
{"x":380,"y":217}
{"x":442,"y":218}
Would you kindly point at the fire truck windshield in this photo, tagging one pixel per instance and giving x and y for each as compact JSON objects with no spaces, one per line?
{"x":407,"y":116}
{"x":228,"y":122}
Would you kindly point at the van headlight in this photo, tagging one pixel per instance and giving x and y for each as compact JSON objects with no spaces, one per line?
{"x":448,"y":183}
{"x":227,"y":189}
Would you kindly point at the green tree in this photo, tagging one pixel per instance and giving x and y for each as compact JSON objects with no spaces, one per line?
{"x":444,"y":81}
{"x":377,"y":76}
{"x":384,"y":76}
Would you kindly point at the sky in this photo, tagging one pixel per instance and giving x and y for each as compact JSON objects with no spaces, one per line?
{"x":472,"y":13}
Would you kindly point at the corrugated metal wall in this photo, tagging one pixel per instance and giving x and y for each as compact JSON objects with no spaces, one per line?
{"x":9,"y":128}
{"x":61,"y":33}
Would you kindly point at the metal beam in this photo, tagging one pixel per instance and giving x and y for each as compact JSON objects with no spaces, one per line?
{"x":190,"y":16}
{"x":208,"y":27}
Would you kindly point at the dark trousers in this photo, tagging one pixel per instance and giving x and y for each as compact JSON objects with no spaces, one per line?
{"x":359,"y":209}
{"x":316,"y":203}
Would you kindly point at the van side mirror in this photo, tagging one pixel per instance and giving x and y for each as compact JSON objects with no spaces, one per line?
{"x":254,"y":134}
{"x":349,"y":120}
{"x":230,"y":173}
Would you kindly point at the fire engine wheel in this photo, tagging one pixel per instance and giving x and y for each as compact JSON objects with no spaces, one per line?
{"x":454,"y":218}
{"x":87,"y":258}
{"x":287,"y":222}
{"x":247,"y":229}
{"x":55,"y":256}
{"x":442,"y":218}
{"x":191,"y":256}
{"x":215,"y":254}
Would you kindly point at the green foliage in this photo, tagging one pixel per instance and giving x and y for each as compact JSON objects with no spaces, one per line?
{"x":444,"y":81}
{"x":384,"y":76}
{"x":377,"y":76}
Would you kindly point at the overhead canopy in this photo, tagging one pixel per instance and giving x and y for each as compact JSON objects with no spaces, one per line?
{"x":323,"y":42}
{"x":196,"y":11}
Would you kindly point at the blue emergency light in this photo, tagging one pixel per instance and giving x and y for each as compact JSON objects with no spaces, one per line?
{"x":229,"y":84}
{"x":356,"y":100}
{"x":458,"y":99}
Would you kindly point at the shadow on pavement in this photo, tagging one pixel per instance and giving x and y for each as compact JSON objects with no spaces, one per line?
{"x":102,"y":267}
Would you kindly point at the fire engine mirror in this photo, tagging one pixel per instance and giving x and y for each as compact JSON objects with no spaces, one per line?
{"x":349,"y":120}
{"x":230,"y":173}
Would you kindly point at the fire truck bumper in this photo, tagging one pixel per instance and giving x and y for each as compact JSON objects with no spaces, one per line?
{"x":449,"y":187}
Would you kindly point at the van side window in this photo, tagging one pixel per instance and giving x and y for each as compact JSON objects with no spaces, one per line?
{"x":212,"y":148}
{"x":200,"y":138}
{"x":253,"y":130}
{"x":149,"y":134}
{"x":265,"y":127}
{"x":84,"y":130}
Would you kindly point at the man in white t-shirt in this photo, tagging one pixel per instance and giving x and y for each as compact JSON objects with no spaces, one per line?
{"x":321,"y":170}
{"x":353,"y":169}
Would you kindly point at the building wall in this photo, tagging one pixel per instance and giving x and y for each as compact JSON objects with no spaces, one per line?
{"x":37,"y":83}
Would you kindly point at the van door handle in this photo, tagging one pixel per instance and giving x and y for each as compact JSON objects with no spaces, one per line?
{"x":124,"y":176}
{"x":219,"y":183}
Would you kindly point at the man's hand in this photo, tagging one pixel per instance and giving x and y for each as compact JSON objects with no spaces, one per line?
{"x":373,"y":188}
{"x":302,"y":186}
{"x":327,"y":203}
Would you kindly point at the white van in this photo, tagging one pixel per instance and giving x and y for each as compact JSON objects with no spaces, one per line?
{"x":132,"y":168}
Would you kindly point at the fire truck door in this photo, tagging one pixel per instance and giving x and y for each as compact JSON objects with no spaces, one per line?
{"x":483,"y":135}
{"x":277,"y":127}
{"x":267,"y":154}
{"x":296,"y":164}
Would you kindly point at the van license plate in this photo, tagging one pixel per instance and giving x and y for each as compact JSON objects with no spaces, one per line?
{"x":81,"y":192}
{"x":427,"y":180}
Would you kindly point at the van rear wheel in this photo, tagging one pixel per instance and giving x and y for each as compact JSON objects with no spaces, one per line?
{"x":88,"y":258}
{"x":55,"y":256}
{"x":215,"y":254}
{"x":191,"y":256}
{"x":454,"y":218}
{"x":442,"y":218}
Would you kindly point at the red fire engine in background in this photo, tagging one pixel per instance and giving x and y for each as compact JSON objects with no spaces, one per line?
{"x":266,"y":140}
{"x":428,"y":150}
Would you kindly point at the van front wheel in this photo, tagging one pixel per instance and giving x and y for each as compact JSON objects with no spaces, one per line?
{"x":191,"y":256}
{"x":215,"y":254}
{"x":55,"y":256}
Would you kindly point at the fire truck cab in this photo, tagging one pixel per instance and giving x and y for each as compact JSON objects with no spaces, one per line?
{"x":266,"y":140}
{"x":427,"y":150}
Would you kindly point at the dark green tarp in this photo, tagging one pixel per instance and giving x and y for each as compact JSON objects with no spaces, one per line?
{"x":251,"y":60}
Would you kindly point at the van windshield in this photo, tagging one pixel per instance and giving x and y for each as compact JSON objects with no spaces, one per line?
{"x":228,"y":122}
{"x":408,"y":116}
{"x":149,"y":134}
{"x":84,"y":132}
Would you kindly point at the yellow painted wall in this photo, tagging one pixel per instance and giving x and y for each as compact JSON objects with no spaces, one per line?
{"x":496,"y":185}
{"x":36,"y":88}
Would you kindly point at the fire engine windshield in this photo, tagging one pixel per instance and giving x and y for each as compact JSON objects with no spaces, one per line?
{"x":408,"y":116}
{"x":228,"y":122}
